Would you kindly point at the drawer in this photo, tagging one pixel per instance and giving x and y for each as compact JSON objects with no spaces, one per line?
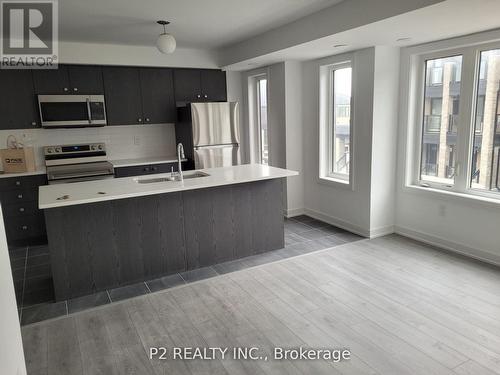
{"x":24,"y":227}
{"x":19,"y":195}
{"x":8,"y":183}
{"x":20,"y":209}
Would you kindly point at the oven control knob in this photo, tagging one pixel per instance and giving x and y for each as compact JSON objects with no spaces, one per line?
{"x":99,"y":147}
{"x":50,"y":150}
{"x":58,"y":149}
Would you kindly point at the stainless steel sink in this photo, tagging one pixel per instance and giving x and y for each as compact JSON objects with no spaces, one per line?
{"x":187,"y":176}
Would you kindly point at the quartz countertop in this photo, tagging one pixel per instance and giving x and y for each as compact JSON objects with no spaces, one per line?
{"x":144,"y":161}
{"x":60,"y":195}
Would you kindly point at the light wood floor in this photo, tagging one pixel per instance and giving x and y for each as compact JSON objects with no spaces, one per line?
{"x":400,"y":307}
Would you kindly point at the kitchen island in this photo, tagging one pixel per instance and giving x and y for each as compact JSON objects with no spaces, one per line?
{"x":108,"y":233}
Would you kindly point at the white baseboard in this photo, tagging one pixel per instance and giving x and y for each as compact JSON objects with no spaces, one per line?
{"x":381,"y":231}
{"x":338,"y":222}
{"x":294,"y":212}
{"x":484,"y":256}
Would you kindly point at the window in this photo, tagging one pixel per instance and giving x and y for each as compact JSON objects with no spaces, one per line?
{"x":486,"y":140}
{"x":335,"y":135}
{"x":262,"y":119}
{"x":458,"y":121}
{"x":441,"y":110}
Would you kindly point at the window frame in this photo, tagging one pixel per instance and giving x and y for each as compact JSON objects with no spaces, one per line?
{"x":258,"y":115}
{"x":327,"y":118}
{"x":471,"y":54}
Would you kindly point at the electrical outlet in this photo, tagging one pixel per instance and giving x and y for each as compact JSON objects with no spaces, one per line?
{"x":137,"y":140}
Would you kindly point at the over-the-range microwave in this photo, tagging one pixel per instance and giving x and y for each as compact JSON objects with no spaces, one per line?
{"x":71,"y":111}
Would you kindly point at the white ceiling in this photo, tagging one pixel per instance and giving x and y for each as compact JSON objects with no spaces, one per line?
{"x":444,"y":20}
{"x":206,"y":24}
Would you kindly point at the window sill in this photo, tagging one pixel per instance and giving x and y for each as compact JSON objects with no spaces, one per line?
{"x":453,"y":196}
{"x":335,"y":182}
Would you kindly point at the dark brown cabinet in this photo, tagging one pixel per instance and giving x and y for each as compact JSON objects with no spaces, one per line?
{"x":18,"y":106}
{"x":85,"y":79}
{"x":69,"y":79}
{"x":200,"y":85}
{"x":134,"y":95}
{"x":122,"y":90}
{"x":157,"y":89}
{"x":213,"y":85}
{"x":24,"y":222}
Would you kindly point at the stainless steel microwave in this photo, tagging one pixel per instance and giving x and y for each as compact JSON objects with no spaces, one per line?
{"x":68,"y":111}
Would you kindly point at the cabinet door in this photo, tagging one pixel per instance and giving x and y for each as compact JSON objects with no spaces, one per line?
{"x":85,"y":79}
{"x":18,"y":103}
{"x":187,"y":83}
{"x":123,"y":95}
{"x":51,"y":81}
{"x":213,"y":85}
{"x":157,"y":88}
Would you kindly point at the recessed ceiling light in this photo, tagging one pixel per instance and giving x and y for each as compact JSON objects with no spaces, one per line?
{"x":405,"y":39}
{"x":339,"y":45}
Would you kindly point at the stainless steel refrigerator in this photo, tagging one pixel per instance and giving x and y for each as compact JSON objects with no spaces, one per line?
{"x":215,"y":134}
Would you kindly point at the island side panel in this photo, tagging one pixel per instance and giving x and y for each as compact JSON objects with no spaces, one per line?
{"x":103,"y":245}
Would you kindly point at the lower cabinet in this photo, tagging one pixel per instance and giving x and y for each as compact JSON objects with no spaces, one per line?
{"x":140,"y":170}
{"x":24,"y":222}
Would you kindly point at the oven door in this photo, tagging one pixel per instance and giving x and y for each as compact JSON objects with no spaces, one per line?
{"x":72,"y":110}
{"x":79,"y":172}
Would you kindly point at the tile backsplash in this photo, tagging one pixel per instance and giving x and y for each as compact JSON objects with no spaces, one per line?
{"x":122,"y":142}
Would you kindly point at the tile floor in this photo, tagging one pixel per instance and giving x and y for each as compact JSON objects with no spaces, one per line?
{"x":32,"y":278}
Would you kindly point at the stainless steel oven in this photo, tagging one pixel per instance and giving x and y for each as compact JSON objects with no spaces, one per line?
{"x":67,"y":111}
{"x":75,"y":163}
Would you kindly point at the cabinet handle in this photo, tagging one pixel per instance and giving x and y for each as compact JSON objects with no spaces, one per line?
{"x":139,"y":120}
{"x":18,"y":183}
{"x":24,"y":227}
{"x":33,"y":123}
{"x":19,"y":196}
{"x":75,"y":88}
{"x":21,"y":209}
{"x":65,"y":89}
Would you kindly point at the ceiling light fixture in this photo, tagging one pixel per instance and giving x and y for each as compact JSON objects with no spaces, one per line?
{"x":166,"y":42}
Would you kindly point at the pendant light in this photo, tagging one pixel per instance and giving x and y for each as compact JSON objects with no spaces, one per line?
{"x":166,"y":42}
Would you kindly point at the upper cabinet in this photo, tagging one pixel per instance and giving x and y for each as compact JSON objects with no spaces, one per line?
{"x":134,"y":95}
{"x":122,"y":90}
{"x":18,"y":104}
{"x":200,"y":85}
{"x":213,"y":85}
{"x":158,"y":102}
{"x":69,"y":79}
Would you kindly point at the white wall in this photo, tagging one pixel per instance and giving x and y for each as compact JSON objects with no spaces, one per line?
{"x":235,"y":94}
{"x":122,"y":142}
{"x":384,"y":140}
{"x":462,"y":224}
{"x":11,"y":346}
{"x":294,"y":136}
{"x":334,"y":203}
{"x":118,"y":54}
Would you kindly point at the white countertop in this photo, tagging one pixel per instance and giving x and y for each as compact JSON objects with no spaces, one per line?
{"x":128,"y":187}
{"x":39,"y":170}
{"x":144,"y":161}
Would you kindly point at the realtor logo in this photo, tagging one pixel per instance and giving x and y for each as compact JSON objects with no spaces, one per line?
{"x":29,"y":34}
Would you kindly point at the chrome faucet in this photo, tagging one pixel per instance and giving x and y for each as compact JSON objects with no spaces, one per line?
{"x":180,"y":156}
